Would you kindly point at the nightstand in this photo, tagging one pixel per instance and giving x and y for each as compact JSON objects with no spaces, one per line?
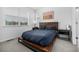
{"x":67,"y":33}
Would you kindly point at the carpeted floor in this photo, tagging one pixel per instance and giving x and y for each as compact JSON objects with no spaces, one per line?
{"x":60,"y":45}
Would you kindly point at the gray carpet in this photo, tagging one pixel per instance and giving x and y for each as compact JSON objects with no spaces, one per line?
{"x":59,"y":46}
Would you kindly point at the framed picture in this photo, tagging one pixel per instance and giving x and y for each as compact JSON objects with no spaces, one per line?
{"x":48,"y":15}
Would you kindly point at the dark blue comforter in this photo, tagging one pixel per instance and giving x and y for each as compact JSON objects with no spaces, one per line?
{"x":41,"y":37}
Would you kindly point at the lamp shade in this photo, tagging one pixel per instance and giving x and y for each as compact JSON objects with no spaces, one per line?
{"x":68,"y":27}
{"x":34,"y":21}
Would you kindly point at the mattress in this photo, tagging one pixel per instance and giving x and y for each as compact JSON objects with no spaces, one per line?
{"x":40,"y":37}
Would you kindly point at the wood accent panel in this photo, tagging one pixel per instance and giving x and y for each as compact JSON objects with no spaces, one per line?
{"x":54,"y":25}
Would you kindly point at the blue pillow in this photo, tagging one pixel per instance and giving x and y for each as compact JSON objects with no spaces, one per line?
{"x":43,"y":27}
{"x":50,"y":28}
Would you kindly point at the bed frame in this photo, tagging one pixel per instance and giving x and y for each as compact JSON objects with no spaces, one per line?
{"x":39,"y":48}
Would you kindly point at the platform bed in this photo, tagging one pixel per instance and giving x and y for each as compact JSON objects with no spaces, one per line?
{"x":36,"y":47}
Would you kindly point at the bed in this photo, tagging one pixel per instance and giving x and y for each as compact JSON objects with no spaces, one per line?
{"x":40,"y":39}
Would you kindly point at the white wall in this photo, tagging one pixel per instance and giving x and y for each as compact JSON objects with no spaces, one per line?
{"x":8,"y":32}
{"x":61,"y":14}
{"x":1,"y":17}
{"x":76,"y":19}
{"x":78,"y":26}
{"x":74,"y":27}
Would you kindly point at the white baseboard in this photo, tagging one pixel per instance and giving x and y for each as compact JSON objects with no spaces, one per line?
{"x":7,"y":39}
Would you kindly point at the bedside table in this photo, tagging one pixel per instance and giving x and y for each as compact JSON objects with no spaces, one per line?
{"x":68,"y":33}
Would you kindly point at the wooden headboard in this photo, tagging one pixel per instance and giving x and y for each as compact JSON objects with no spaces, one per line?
{"x":54,"y":25}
